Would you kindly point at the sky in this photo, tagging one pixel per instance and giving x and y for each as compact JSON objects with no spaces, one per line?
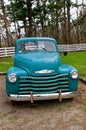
{"x":73,"y":10}
{"x":79,"y":1}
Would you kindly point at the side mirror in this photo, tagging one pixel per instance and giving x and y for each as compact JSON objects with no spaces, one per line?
{"x":65,"y":53}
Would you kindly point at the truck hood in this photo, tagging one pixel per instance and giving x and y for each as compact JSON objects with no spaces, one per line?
{"x":38,"y":63}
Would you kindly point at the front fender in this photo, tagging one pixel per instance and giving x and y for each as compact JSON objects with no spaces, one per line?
{"x":13,"y":87}
{"x":67,"y":69}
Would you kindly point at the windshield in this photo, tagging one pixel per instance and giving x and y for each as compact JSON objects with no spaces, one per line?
{"x":37,"y":45}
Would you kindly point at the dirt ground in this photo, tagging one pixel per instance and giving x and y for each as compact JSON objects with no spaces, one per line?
{"x":43,"y":115}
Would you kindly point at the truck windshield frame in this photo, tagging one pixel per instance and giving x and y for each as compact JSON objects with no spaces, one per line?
{"x":37,"y":46}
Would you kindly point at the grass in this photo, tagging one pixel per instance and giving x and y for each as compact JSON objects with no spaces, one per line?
{"x":5,"y":63}
{"x":76,"y":59}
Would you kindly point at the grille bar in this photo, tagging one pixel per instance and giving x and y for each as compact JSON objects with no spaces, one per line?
{"x":44,"y":77}
{"x":43,"y":89}
{"x":43,"y":85}
{"x":42,"y":80}
{"x":42,"y":92}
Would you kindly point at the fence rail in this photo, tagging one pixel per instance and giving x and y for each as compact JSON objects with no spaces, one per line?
{"x":72,"y":47}
{"x":9,"y":51}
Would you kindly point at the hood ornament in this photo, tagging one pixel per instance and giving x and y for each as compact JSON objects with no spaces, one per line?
{"x":44,"y":71}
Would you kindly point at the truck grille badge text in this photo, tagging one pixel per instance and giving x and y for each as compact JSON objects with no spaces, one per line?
{"x":44,"y":71}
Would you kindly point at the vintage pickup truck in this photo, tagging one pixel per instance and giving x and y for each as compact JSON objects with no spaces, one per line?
{"x":38,"y":72}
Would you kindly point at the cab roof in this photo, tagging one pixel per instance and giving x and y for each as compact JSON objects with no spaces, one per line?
{"x":35,"y":38}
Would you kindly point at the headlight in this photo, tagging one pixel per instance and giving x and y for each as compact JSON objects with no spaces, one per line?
{"x":74,"y":74}
{"x":12,"y":77}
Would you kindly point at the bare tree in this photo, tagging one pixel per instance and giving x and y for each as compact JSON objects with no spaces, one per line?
{"x":68,"y":22}
{"x":29,"y":8}
{"x":77,"y":27}
{"x":6,"y":22}
{"x":65,"y":24}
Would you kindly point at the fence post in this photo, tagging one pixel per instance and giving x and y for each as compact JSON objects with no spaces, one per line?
{"x":5,"y":51}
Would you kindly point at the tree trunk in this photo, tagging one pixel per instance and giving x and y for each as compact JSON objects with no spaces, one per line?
{"x":43,"y":27}
{"x":68,"y":22}
{"x":0,"y":40}
{"x":29,"y":7}
{"x":57,"y":23}
{"x":5,"y":22}
{"x":83,"y":25}
{"x":77,"y":28}
{"x":65,"y":24}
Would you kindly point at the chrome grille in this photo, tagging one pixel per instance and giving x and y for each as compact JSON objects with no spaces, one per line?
{"x":43,"y":84}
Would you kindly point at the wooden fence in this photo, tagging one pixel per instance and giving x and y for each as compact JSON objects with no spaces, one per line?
{"x":9,"y":51}
{"x":72,"y":47}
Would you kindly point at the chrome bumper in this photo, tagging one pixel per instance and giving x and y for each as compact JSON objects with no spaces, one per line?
{"x":33,"y":97}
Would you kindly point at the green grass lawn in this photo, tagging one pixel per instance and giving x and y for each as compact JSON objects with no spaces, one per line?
{"x":5,"y":63}
{"x":76,"y":59}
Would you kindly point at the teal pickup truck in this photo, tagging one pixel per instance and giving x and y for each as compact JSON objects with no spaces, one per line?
{"x":38,"y":73}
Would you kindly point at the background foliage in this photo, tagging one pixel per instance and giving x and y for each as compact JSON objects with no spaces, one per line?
{"x":52,"y":18}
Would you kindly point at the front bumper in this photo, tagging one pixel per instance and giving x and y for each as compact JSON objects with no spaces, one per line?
{"x":33,"y":97}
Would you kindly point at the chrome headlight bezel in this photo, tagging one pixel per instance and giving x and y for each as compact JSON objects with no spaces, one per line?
{"x":12,"y":78}
{"x":74,"y":74}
